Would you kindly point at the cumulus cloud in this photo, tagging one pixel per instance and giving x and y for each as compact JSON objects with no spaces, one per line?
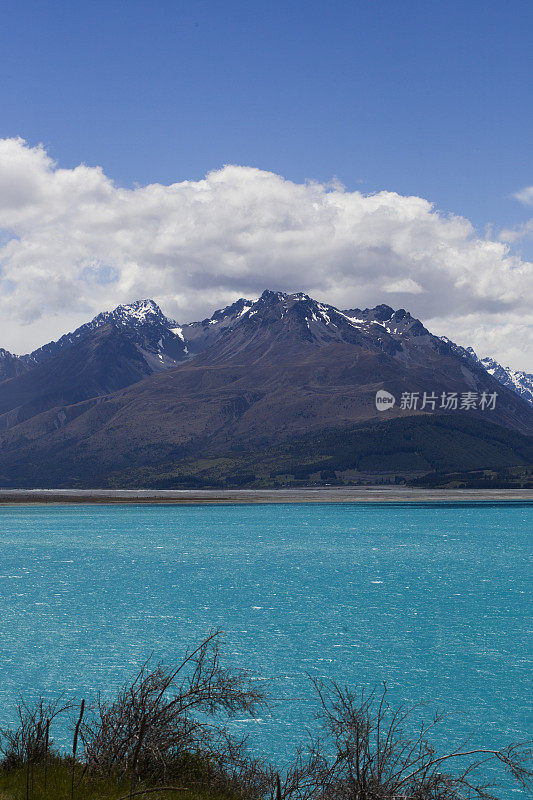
{"x":72,"y":243}
{"x":525,"y":196}
{"x":403,"y":286}
{"x":525,"y":229}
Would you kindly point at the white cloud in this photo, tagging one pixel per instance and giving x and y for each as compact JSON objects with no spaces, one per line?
{"x":522,"y":231}
{"x":525,"y":229}
{"x":525,"y":196}
{"x":72,"y":243}
{"x":405,"y":286}
{"x":506,"y":337}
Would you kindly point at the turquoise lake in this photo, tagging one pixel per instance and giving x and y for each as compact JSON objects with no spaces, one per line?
{"x":433,"y":599}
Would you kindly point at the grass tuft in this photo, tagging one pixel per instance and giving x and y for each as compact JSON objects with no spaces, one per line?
{"x":112,"y":787}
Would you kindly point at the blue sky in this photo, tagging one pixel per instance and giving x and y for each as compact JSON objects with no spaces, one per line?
{"x":426,"y":98}
{"x":429,"y":100}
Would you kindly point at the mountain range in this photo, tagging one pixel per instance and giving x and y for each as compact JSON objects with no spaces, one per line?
{"x":517,"y":380}
{"x":264,"y":392}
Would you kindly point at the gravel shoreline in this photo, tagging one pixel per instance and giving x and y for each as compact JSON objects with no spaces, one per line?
{"x":241,"y":496}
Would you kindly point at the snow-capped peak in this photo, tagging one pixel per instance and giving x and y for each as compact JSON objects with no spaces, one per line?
{"x":140,"y":309}
{"x":139,"y":312}
{"x":235,"y":310}
{"x":516,"y":380}
{"x":519,"y":381}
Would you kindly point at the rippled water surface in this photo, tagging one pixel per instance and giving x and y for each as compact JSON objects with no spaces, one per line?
{"x":435,"y":600}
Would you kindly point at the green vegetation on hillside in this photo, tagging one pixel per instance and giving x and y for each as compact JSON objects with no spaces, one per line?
{"x":506,"y":478}
{"x":394,"y":451}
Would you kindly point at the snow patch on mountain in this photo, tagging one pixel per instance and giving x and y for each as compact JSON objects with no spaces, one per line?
{"x":163,"y":343}
{"x":140,"y":312}
{"x":517,"y":380}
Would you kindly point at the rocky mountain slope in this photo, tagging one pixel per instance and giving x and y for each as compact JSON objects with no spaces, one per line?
{"x":517,"y":380}
{"x":142,"y":323}
{"x":133,"y":390}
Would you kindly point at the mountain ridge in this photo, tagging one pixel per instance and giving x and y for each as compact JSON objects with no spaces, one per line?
{"x":170,"y":343}
{"x":518,"y":381}
{"x":256,"y":375}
